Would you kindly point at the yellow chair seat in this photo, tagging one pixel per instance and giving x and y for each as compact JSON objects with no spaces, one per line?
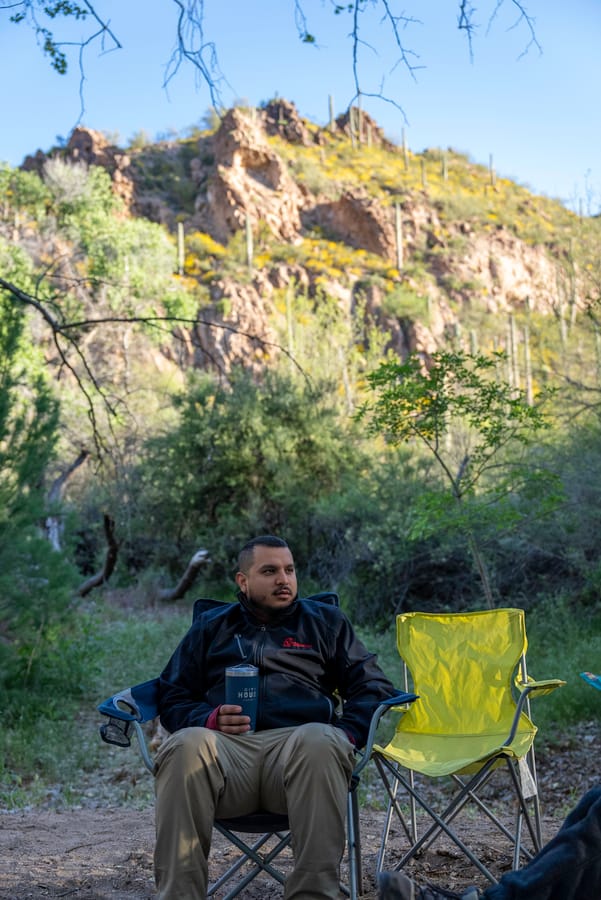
{"x":442,"y":754}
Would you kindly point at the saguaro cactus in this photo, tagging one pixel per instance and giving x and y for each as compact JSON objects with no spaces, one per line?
{"x":249,"y":242}
{"x":398,"y":221}
{"x":491,"y":171}
{"x":180,"y":248}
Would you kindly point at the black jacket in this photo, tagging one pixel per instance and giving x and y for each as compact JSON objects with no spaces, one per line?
{"x":310,"y":654}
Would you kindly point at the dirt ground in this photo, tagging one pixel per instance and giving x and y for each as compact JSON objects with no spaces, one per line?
{"x":105,"y":853}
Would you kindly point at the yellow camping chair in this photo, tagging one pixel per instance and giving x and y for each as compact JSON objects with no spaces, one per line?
{"x":473,"y":716}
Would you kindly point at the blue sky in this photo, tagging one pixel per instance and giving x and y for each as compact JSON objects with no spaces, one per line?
{"x":537,"y":114}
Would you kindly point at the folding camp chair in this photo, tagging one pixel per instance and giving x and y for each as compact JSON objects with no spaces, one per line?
{"x":129,"y":709}
{"x":473,"y":717}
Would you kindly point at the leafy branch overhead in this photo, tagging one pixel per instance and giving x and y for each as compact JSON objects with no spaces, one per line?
{"x":33,"y":12}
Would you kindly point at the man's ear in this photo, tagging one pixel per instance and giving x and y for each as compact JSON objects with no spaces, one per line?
{"x":241,"y":581}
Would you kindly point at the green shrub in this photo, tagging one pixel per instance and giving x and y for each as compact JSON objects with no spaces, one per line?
{"x":564,"y":640}
{"x":403,"y":302}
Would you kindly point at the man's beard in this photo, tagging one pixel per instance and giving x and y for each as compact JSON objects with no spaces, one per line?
{"x":265,"y":613}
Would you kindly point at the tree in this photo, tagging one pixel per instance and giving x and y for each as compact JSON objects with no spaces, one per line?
{"x":243,"y":458}
{"x":35,"y":580}
{"x":470,"y":421}
{"x":89,"y":271}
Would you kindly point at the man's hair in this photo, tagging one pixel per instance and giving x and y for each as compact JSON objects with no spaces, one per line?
{"x":246,"y":555}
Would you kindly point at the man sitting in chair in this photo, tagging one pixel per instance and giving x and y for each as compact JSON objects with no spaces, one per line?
{"x":299,"y":760}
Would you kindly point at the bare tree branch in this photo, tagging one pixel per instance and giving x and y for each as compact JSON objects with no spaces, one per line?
{"x":56,"y":488}
{"x":28,"y":11}
{"x":110,"y":559}
{"x":466,"y":22}
{"x":53,"y":523}
{"x":58,"y":330}
{"x":65,"y":334}
{"x":192,"y":45}
{"x":170,"y":595}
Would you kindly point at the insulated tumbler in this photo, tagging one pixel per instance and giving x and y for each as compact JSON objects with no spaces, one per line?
{"x":242,"y":688}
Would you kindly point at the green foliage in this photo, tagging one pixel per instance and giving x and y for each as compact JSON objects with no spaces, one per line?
{"x":309,"y":172}
{"x":164,"y":171}
{"x":50,"y":46}
{"x":564,"y":640}
{"x":15,"y":265}
{"x":28,"y":420}
{"x":454,"y":451}
{"x":244,"y":458}
{"x":22,"y":192}
{"x":35,"y":581}
{"x":570,"y":534}
{"x":112,"y":647}
{"x":457,"y":388}
{"x":456,"y":391}
{"x":80,"y":195}
{"x":404,"y":303}
{"x":130,"y":262}
{"x":50,"y":727}
{"x":139,"y":140}
{"x":360,"y":540}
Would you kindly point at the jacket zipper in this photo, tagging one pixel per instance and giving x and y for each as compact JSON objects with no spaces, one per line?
{"x":239,"y":642}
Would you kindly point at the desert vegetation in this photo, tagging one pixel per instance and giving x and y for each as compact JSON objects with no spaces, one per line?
{"x":420,"y":446}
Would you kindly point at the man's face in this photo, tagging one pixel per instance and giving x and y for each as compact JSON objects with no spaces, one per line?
{"x":271,"y":580}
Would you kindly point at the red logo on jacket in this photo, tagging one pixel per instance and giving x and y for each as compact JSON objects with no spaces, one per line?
{"x":290,"y":642}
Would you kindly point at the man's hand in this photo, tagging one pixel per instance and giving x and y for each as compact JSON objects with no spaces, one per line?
{"x":230,"y":720}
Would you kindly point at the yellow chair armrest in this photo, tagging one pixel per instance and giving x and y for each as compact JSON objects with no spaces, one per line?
{"x":539,"y":687}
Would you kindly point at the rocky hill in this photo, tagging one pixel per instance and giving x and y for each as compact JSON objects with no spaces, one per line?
{"x":428,"y":246}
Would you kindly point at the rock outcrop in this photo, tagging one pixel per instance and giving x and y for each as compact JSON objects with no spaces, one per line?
{"x":235,"y":179}
{"x":250,"y":182}
{"x":280,"y":117}
{"x":358,"y":220}
{"x":92,"y":149}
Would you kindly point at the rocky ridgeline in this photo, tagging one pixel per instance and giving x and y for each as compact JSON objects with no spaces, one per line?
{"x":238,"y":178}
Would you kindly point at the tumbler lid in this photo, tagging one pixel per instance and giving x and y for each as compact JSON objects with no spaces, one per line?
{"x":242,"y":669}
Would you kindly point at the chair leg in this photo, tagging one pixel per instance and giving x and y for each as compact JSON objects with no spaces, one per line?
{"x":524,"y":815}
{"x":514,"y":837}
{"x":531,"y":762}
{"x":355,"y":863}
{"x":413,"y":807}
{"x":393,"y":807}
{"x":251,"y":854}
{"x":262,"y":863}
{"x":441,"y":824}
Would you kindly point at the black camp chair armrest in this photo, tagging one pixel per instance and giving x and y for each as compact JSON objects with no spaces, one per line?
{"x":125,"y":712}
{"x":138,"y":703}
{"x":399,"y":702}
{"x":110,"y":708}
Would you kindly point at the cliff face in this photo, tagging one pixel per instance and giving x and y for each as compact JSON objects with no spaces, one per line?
{"x":250,"y":176}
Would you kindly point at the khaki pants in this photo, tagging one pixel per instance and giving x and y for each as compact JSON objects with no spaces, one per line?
{"x":201,"y":775}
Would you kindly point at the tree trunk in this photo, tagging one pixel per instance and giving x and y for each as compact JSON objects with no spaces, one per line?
{"x":169,"y":595}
